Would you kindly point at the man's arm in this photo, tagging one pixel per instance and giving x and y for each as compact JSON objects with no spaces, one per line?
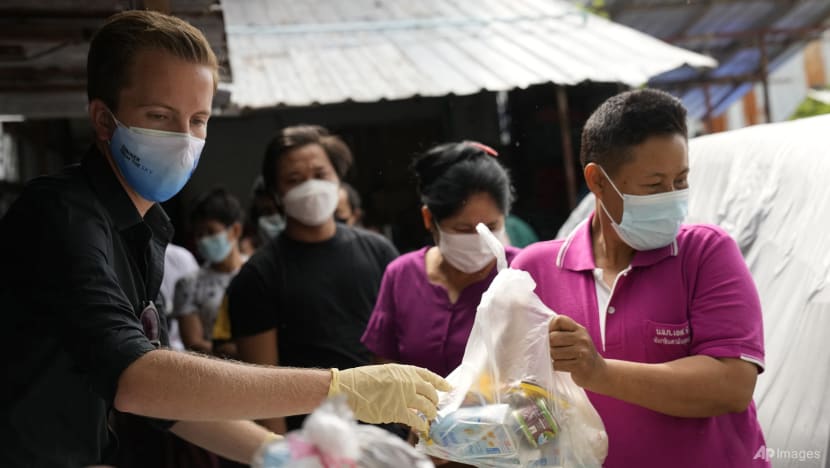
{"x":180,"y":386}
{"x":234,"y":440}
{"x":691,"y":387}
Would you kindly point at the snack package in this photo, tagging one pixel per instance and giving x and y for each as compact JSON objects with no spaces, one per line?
{"x":508,"y":407}
{"x":331,"y":438}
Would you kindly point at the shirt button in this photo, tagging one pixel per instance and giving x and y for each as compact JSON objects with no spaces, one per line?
{"x":611,"y":309}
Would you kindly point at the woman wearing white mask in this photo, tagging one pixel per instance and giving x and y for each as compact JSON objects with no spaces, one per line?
{"x":304,"y":298}
{"x":428,"y":299}
{"x":661,"y":321}
{"x":217,"y":225}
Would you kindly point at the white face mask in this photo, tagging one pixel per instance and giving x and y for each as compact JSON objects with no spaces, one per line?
{"x":467,"y":252}
{"x":649,"y":221}
{"x":313,"y":202}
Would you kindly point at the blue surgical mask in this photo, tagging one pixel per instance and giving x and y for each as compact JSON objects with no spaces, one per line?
{"x":156,"y":164}
{"x":215,"y":248}
{"x":649,"y":221}
{"x":270,"y":226}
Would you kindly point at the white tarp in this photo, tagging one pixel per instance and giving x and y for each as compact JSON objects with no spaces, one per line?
{"x":769,"y":187}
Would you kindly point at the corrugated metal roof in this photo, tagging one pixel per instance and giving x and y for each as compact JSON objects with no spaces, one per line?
{"x":292,"y":53}
{"x":728,"y":31}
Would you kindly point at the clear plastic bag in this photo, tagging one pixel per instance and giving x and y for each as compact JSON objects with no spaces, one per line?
{"x":508,"y":407}
{"x":331,"y":438}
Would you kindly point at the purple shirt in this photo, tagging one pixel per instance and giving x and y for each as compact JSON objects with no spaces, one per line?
{"x":414,"y":322}
{"x":693,"y":297}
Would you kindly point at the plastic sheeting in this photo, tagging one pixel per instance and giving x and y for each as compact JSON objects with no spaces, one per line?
{"x":769,"y":187}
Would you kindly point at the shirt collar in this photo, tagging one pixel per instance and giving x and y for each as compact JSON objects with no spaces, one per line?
{"x":115,"y":200}
{"x":577,"y":251}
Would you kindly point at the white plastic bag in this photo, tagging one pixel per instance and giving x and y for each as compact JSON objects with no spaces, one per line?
{"x":508,"y":407}
{"x":331,"y":438}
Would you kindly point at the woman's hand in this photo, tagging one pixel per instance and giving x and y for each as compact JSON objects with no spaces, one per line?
{"x":572,"y":350}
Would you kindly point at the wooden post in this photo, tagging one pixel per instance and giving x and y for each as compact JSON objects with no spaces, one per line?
{"x":708,"y":118}
{"x":567,"y":145}
{"x":762,"y":46}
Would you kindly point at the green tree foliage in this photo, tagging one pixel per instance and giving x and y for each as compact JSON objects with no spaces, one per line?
{"x":809,"y":108}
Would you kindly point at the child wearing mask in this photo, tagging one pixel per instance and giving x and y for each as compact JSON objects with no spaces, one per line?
{"x":428,"y":299}
{"x":217,"y":226}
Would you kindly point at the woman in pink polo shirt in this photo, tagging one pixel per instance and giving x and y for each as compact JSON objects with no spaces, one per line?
{"x":428,"y":298}
{"x":661,"y":322}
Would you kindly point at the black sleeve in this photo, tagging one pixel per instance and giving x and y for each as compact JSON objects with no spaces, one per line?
{"x":68,"y":277}
{"x":253,"y":292}
{"x":386,"y":251}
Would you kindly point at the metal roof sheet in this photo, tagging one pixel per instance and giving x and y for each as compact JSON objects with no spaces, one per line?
{"x":327,"y":51}
{"x":728,"y":30}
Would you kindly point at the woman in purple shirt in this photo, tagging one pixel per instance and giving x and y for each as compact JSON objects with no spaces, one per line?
{"x":428,"y":298}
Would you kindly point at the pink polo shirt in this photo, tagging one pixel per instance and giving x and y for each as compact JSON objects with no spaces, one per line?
{"x":695,"y":296}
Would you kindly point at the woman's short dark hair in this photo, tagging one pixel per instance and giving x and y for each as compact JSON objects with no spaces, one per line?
{"x":626,"y":120}
{"x":290,"y":138}
{"x":450,"y":173}
{"x":216,"y":205}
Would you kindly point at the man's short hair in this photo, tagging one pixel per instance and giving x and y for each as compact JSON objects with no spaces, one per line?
{"x":626,"y":120}
{"x":290,"y":138}
{"x":115,"y":46}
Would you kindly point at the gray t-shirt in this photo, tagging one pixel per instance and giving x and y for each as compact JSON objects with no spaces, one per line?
{"x":202,"y":293}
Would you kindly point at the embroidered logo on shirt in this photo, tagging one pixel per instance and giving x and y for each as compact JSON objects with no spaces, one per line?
{"x":672,"y":335}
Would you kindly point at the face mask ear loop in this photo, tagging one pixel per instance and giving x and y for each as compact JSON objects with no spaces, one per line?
{"x":116,"y":124}
{"x":601,"y":203}
{"x":611,"y":182}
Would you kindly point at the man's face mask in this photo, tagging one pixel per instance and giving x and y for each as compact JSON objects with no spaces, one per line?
{"x":155,"y":163}
{"x":649,"y":221}
{"x":313,"y":202}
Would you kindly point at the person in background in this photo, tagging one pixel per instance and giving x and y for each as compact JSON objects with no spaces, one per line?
{"x":265,"y":219}
{"x":349,"y":210}
{"x":519,"y":232}
{"x":304,"y":298}
{"x":428,"y":298}
{"x":83,"y":256}
{"x":660,"y":322}
{"x":178,"y":263}
{"x":217,"y":225}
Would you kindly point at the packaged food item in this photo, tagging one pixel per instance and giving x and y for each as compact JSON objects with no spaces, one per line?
{"x":331,"y":438}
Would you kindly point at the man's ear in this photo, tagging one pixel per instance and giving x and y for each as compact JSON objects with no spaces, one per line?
{"x":427,"y":217}
{"x":594,"y":178}
{"x":103,"y":122}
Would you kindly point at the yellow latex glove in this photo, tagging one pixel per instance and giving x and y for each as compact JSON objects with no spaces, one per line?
{"x":388,"y":393}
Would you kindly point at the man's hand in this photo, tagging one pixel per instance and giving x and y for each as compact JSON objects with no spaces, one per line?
{"x":389,"y":393}
{"x":572,"y":350}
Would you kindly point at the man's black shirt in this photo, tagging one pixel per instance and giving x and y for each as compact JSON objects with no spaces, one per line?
{"x":78,"y":266}
{"x":318,"y":296}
